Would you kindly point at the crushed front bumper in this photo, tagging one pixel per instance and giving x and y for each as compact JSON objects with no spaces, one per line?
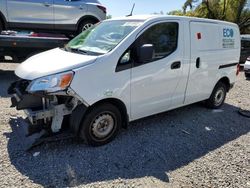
{"x":44,"y":110}
{"x":20,"y":98}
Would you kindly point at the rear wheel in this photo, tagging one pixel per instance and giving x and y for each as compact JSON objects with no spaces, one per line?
{"x":247,"y":75}
{"x":101,"y":124}
{"x":1,"y":26}
{"x":85,"y":25}
{"x":218,"y":96}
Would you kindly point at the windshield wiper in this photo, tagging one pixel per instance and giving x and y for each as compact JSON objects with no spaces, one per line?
{"x":77,"y":50}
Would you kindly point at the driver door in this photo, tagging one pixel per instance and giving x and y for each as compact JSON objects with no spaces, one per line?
{"x":31,"y":14}
{"x":154,"y":83}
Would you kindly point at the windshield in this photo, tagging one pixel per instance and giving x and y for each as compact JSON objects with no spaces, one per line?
{"x":102,"y":37}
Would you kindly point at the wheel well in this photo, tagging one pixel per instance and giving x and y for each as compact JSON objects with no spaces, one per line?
{"x":120,"y":105}
{"x":84,"y":18}
{"x":2,"y":20}
{"x":226,"y":81}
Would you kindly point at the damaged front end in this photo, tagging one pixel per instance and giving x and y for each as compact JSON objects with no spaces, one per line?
{"x":45,"y":110}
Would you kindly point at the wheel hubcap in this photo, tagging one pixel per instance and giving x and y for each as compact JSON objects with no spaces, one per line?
{"x":87,"y":26}
{"x":219,"y":97}
{"x":103,"y":125}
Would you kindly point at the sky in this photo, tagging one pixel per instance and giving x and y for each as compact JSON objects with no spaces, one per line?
{"x":123,"y":7}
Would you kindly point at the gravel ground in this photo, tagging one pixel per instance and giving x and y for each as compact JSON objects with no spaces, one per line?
{"x":188,"y":147}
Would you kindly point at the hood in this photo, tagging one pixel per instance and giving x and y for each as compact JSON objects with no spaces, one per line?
{"x":51,"y":62}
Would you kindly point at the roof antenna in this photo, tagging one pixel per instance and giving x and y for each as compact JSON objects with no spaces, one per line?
{"x":131,"y":13}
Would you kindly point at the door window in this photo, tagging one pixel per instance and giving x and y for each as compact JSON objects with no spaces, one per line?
{"x":163,"y":37}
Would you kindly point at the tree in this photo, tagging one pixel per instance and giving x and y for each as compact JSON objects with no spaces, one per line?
{"x":190,"y":4}
{"x":109,"y":16}
{"x":176,"y":12}
{"x":228,"y":10}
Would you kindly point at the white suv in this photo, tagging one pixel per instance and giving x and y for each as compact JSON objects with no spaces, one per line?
{"x":67,"y":16}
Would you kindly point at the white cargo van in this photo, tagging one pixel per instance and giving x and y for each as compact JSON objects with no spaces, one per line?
{"x":125,"y":69}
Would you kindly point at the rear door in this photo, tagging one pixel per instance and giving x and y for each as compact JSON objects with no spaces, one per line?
{"x":204,"y":61}
{"x":68,"y":12}
{"x":154,"y":83}
{"x":36,"y":13}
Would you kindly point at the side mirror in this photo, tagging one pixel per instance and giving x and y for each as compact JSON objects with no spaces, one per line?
{"x":145,"y":53}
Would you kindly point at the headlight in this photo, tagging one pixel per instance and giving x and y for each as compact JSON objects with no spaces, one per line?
{"x":52,"y":83}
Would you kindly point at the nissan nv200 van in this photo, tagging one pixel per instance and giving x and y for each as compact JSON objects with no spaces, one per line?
{"x":125,"y":69}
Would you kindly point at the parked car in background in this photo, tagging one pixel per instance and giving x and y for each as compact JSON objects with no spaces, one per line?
{"x":65,"y":16}
{"x":245,"y":48}
{"x":247,"y":68}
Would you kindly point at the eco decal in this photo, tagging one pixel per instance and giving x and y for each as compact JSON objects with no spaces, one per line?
{"x":228,"y":38}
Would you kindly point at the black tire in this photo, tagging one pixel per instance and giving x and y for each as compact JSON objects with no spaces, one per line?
{"x":1,"y":27}
{"x":247,"y":75}
{"x":218,"y":96}
{"x":94,"y":123}
{"x":85,"y":25}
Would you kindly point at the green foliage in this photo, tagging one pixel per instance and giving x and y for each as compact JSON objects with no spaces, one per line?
{"x":237,"y":11}
{"x":176,"y":12}
{"x":190,"y":4}
{"x":109,"y":17}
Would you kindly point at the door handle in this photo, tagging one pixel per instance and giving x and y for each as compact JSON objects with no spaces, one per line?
{"x":198,"y":62}
{"x":176,"y":65}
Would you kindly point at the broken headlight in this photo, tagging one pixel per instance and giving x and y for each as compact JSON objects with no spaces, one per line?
{"x":52,"y":83}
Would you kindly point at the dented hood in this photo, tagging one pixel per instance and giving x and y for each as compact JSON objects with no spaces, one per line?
{"x":51,"y":62}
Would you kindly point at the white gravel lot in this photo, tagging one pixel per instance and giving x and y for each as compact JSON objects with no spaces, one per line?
{"x":188,"y":147}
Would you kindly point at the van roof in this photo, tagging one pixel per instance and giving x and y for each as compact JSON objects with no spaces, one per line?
{"x":159,"y":17}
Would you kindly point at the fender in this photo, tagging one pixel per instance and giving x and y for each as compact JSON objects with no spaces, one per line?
{"x":76,"y":118}
{"x":80,"y":111}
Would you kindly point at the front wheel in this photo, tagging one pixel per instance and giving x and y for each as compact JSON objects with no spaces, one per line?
{"x":101,"y":125}
{"x":218,"y":96}
{"x":1,"y":26}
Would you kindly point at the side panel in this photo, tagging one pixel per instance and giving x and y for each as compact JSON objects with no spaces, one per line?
{"x":31,"y":12}
{"x":210,"y":49}
{"x":96,"y":12}
{"x":69,"y":12}
{"x":99,"y":81}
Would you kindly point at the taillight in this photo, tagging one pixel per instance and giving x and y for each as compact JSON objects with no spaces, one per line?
{"x":238,"y":70}
{"x":104,"y":9}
